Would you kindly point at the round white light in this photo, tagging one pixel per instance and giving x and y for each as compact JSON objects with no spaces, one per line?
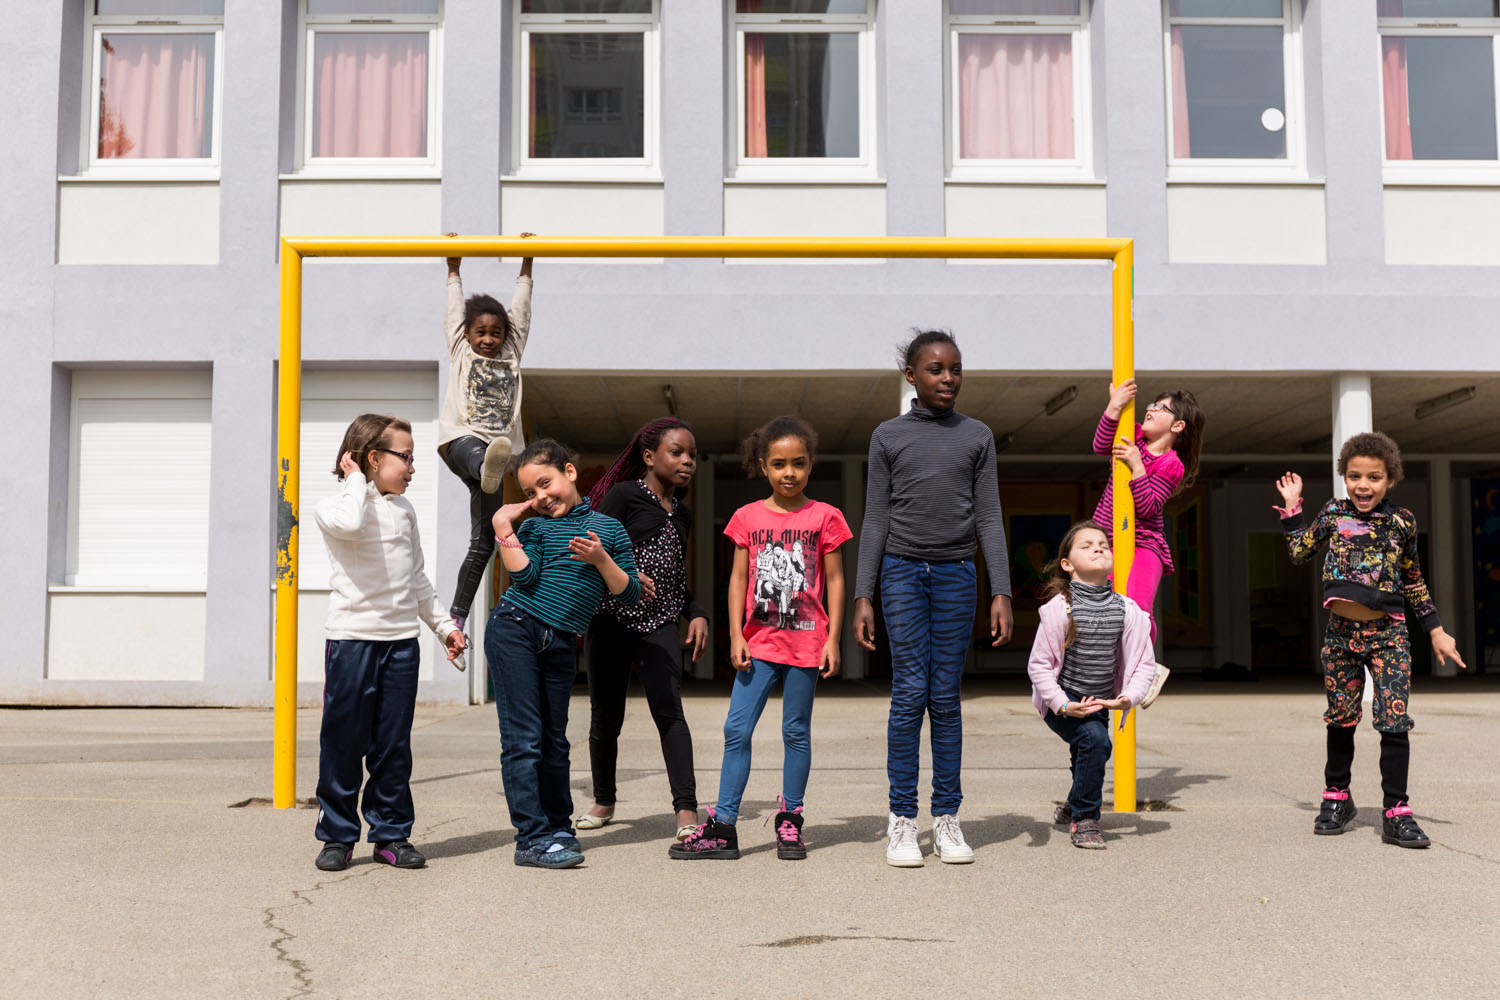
{"x":1272,"y":120}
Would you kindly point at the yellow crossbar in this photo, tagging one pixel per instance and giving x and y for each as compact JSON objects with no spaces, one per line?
{"x":289,"y":387}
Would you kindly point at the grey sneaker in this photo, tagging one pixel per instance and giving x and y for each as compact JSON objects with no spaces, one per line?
{"x":1086,"y":834}
{"x":493,"y":470}
{"x":555,"y":856}
{"x":1062,"y":815}
{"x":948,"y":841}
{"x":902,"y":850}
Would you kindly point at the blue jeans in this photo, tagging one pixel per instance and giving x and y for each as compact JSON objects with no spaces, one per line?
{"x":1088,"y":751}
{"x":531,"y":668}
{"x":369,"y":698}
{"x":748,"y":699}
{"x":929,"y":616}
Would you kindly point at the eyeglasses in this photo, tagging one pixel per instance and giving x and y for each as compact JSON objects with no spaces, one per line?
{"x":1159,"y":405}
{"x":405,"y":456}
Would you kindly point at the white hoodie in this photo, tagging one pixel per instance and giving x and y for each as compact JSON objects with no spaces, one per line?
{"x":380,"y":588}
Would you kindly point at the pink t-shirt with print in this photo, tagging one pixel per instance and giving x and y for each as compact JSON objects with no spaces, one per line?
{"x":785,"y":621}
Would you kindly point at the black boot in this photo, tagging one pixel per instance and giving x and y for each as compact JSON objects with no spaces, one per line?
{"x":713,"y":840}
{"x":1337,"y":812}
{"x":789,"y":845}
{"x":1400,"y":827}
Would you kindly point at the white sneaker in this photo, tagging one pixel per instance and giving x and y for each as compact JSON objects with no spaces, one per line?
{"x":948,"y":841}
{"x":1156,"y":685}
{"x":496,"y":455}
{"x":902,"y":851}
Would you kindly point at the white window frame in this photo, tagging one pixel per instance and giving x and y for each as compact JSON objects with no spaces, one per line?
{"x":805,"y":168}
{"x":156,"y":168}
{"x":1294,"y":165}
{"x":354,"y":167}
{"x":644,"y":167}
{"x":1422,"y":172}
{"x":1016,"y":170}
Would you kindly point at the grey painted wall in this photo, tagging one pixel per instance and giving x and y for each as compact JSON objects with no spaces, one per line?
{"x":699,"y":315}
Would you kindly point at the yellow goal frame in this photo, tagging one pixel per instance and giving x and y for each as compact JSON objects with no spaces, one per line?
{"x":289,"y":388}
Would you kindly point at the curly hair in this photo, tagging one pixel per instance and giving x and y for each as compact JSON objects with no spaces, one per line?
{"x":906,"y":354}
{"x":632,"y":461}
{"x":1373,"y":444}
{"x":478,"y":305}
{"x":753,"y":449}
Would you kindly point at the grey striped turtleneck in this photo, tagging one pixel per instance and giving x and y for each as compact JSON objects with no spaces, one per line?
{"x":1099,"y":619}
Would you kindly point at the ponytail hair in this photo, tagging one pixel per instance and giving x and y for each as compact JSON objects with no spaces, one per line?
{"x":1056,"y":579}
{"x":753,"y":449}
{"x":632,"y":461}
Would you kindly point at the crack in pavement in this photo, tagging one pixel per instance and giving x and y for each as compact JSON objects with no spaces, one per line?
{"x":1459,"y":850}
{"x":806,"y":939}
{"x":300,"y":970}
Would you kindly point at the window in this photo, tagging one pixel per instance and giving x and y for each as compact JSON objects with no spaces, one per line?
{"x":1234,"y":90}
{"x":1437,"y":76}
{"x":804,"y":84}
{"x":588,"y":84}
{"x":154,"y":75}
{"x":369,"y":84}
{"x":139,"y":475}
{"x":1018,"y":86}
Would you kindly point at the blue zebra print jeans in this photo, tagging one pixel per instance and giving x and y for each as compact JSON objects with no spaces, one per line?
{"x":929,"y":616}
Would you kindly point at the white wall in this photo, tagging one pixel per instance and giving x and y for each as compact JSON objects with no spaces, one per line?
{"x":1246,"y":224}
{"x":1442,"y":225}
{"x":157,"y":222}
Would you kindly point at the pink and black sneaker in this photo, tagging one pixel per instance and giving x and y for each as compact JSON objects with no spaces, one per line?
{"x":713,"y":841}
{"x":1399,"y":827}
{"x":789,"y":845}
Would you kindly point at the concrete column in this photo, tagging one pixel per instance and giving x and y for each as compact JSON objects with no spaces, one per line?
{"x":852,"y":503}
{"x":1130,"y":102}
{"x":908,"y":393}
{"x":910,"y":37}
{"x":1345,"y":131}
{"x":1352,"y":414}
{"x":703,"y":562}
{"x":1442,"y":563}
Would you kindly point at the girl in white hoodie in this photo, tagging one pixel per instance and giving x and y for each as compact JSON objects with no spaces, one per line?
{"x":1092,"y":653}
{"x":371,"y":657}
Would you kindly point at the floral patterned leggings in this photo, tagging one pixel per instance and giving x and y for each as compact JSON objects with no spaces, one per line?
{"x":1348,"y":648}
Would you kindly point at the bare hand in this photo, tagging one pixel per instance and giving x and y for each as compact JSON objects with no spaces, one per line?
{"x":1083,"y":709}
{"x":1445,"y":648}
{"x":506,"y":516}
{"x":648,"y":586}
{"x":739,"y":653}
{"x":1119,"y":395}
{"x":1290,"y":487}
{"x":828,"y":660}
{"x":347,"y":464}
{"x":1124,"y":450}
{"x":697,"y":637}
{"x":526,"y":261}
{"x":456,"y":643}
{"x":1120,"y":703}
{"x":588,"y":548}
{"x":864,"y":623}
{"x":1002,"y":621}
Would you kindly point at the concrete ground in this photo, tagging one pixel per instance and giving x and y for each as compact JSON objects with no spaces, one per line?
{"x":134,"y":873}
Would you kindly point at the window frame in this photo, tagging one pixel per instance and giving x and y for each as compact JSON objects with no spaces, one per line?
{"x":356,"y":167}
{"x":1293,"y":166}
{"x":645,"y":167}
{"x":1081,"y":165}
{"x":1421,"y":172}
{"x":804,"y":168}
{"x":96,"y":26}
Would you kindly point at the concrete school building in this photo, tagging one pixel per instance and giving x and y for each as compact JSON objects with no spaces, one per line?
{"x":1313,"y":187}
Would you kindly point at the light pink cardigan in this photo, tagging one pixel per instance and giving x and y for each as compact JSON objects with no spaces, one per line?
{"x":1134,"y":668}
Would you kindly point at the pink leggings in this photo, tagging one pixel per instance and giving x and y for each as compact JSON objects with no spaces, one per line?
{"x":1145,"y":577}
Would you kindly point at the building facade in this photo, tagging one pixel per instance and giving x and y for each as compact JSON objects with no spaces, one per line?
{"x":1313,"y":188}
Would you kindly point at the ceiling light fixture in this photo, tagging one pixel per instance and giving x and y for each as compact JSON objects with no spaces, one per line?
{"x":1437,"y":404}
{"x":670,"y":395}
{"x":1060,"y":400}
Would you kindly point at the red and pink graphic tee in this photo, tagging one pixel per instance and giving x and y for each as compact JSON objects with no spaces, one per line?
{"x":785,"y":621}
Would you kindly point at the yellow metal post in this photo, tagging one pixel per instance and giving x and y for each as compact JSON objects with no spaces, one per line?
{"x":1123,"y":368}
{"x":289,"y":408}
{"x":288,"y":463}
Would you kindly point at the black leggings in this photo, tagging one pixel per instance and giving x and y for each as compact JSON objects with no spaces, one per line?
{"x":657,"y":656}
{"x":466,"y":457}
{"x":1395,"y":762}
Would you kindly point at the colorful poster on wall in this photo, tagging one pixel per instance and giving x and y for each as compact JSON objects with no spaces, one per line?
{"x":1485,"y":497}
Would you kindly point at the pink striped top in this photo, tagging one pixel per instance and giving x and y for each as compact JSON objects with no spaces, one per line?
{"x":1151,"y":491}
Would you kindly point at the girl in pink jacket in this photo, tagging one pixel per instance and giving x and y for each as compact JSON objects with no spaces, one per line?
{"x":1092,"y":653}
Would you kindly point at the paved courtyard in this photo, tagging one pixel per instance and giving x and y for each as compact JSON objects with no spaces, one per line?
{"x":133,"y":871}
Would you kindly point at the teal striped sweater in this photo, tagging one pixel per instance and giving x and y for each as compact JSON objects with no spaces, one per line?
{"x":560,"y":590}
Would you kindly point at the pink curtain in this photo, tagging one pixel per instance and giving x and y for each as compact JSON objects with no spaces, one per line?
{"x":755,"y":85}
{"x":1181,"y":141}
{"x":1397,"y":109}
{"x":370,"y":95}
{"x":155,"y":98}
{"x":1015,"y":96}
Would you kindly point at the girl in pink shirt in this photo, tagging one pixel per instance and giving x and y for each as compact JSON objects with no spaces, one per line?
{"x":786,"y":560}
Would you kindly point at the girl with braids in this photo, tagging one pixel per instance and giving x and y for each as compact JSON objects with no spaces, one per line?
{"x":480,"y":423}
{"x":640,"y":491}
{"x":932,"y":491}
{"x":777,"y":634}
{"x":1092,"y":653}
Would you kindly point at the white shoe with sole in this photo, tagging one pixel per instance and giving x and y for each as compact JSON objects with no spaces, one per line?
{"x":902,"y":851}
{"x":948,"y":841}
{"x":1156,"y":685}
{"x":496,"y":457}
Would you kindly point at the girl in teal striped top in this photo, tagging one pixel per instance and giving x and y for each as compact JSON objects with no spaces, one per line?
{"x":561,"y":564}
